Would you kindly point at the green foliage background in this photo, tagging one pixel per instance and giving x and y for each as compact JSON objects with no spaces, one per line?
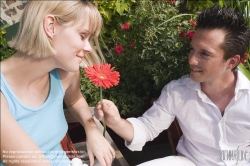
{"x":5,"y":50}
{"x":159,"y":54}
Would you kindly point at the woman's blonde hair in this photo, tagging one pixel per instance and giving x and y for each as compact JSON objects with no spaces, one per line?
{"x":31,"y":38}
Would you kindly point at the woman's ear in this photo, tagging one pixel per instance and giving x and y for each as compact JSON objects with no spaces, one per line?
{"x":49,"y":25}
{"x":234,"y":61}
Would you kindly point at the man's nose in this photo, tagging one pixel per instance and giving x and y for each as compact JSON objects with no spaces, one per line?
{"x":192,"y":59}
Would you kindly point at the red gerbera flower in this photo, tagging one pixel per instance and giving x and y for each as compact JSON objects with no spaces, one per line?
{"x":102,"y":75}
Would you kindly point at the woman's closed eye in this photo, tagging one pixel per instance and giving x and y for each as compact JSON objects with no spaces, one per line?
{"x":85,"y":37}
{"x":82,"y":37}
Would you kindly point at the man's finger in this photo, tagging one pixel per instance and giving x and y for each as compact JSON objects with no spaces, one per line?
{"x":99,"y":114}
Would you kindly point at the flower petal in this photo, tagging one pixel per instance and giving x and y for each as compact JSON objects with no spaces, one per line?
{"x":102,"y":75}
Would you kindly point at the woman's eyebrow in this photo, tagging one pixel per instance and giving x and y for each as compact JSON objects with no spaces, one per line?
{"x":84,"y":30}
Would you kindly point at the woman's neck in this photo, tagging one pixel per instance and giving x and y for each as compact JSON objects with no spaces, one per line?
{"x":26,"y":69}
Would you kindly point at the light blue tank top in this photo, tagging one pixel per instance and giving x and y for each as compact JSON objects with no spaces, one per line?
{"x":46,"y":125}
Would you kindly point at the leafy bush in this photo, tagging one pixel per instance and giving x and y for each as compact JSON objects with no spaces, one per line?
{"x":148,"y":52}
{"x":147,"y":41}
{"x":113,"y":13}
{"x":148,"y":44}
{"x":5,"y":50}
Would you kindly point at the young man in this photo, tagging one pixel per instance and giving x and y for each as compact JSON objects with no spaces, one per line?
{"x":212,"y":104}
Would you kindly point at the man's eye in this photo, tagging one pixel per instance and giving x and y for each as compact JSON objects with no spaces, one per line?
{"x":191,"y":49}
{"x":204,"y":54}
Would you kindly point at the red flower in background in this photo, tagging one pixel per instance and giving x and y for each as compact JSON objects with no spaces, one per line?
{"x":245,"y":56}
{"x":102,"y":75}
{"x":118,"y":49}
{"x":182,"y":34}
{"x":125,"y":26}
{"x":192,"y":22}
{"x":172,"y":1}
{"x":242,"y":60}
{"x":132,"y":44}
{"x":190,"y":34}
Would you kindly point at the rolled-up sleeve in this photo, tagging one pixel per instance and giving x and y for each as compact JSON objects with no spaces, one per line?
{"x":152,"y":122}
{"x":140,"y":135}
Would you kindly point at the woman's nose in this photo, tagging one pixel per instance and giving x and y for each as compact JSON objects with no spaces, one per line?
{"x":87,"y":48}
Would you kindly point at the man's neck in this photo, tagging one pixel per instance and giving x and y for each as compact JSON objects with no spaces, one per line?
{"x":221,"y":86}
{"x":221,"y":93}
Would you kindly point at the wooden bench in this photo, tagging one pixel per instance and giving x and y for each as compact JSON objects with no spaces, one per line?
{"x":68,"y":145}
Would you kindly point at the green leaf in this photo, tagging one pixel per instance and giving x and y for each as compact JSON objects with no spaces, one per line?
{"x":113,"y":33}
{"x":120,"y":7}
{"x":3,"y":32}
{"x":244,"y":71}
{"x":220,"y":2}
{"x":106,"y":13}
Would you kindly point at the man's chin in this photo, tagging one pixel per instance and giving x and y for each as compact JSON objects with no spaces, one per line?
{"x":195,"y":79}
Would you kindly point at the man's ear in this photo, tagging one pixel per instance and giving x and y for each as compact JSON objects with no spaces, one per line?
{"x":234,"y":61}
{"x":49,"y":25}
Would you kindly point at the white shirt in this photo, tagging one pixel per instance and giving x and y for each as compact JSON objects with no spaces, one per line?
{"x":208,"y":138}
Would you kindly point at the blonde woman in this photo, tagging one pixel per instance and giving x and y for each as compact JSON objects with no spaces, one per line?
{"x":53,"y":39}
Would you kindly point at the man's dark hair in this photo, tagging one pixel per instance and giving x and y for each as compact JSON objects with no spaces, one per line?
{"x":234,"y":25}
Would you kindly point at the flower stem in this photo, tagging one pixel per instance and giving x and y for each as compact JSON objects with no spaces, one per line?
{"x":103,"y":119}
{"x":104,"y":125}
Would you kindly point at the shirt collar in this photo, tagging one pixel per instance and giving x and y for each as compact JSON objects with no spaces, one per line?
{"x":242,"y":81}
{"x":193,"y":85}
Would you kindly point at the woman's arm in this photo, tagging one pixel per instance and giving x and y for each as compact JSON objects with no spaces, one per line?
{"x":15,"y":140}
{"x":79,"y":108}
